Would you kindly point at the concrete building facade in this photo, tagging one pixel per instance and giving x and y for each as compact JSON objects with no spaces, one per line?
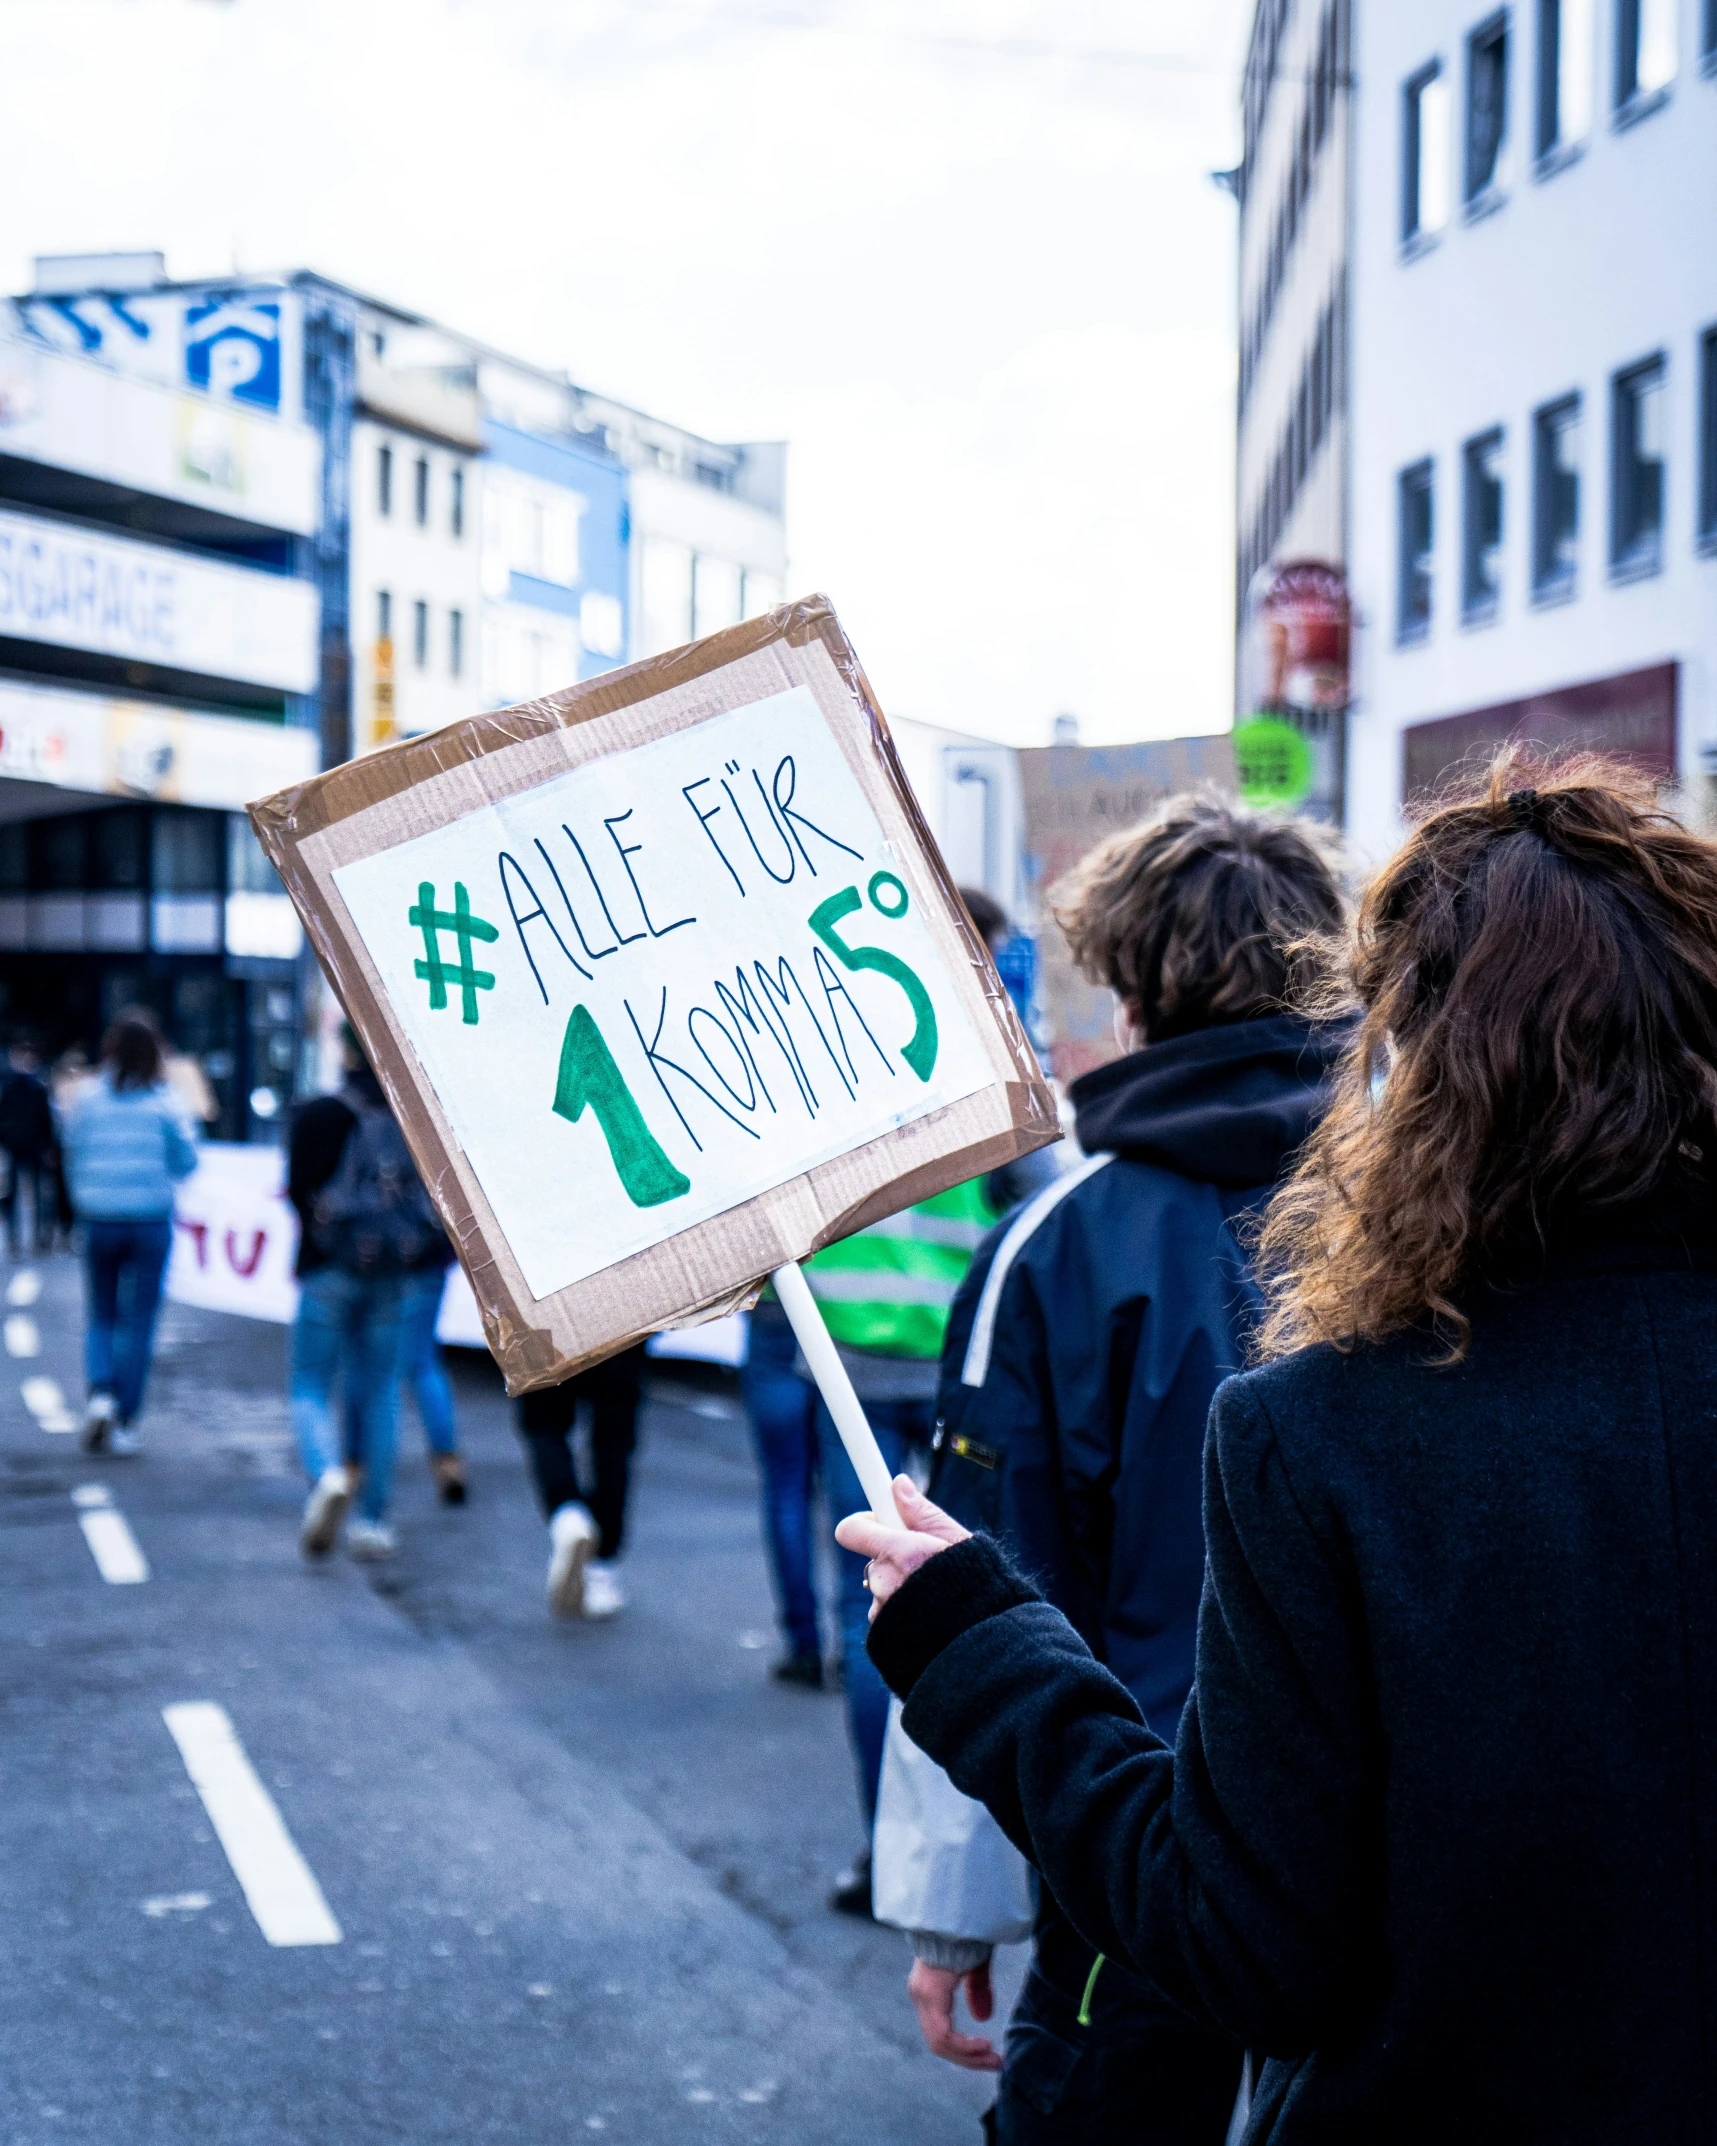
{"x":247,"y":529}
{"x":1534,"y":389}
{"x":1293,"y":185}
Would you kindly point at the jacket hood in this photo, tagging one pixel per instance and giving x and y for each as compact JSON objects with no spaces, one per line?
{"x":1227,"y":1106}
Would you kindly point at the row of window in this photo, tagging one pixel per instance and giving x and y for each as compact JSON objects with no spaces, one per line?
{"x":455,"y":637}
{"x":1638,"y":502}
{"x":1645,"y":58}
{"x":1329,"y":74}
{"x":1267,"y":27}
{"x":420,"y":491}
{"x":1320,"y":393}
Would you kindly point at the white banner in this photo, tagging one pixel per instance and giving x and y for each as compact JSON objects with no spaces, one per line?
{"x":130,"y":748}
{"x":119,"y":598}
{"x":236,"y":1237}
{"x":665,"y":982}
{"x":206,"y":449}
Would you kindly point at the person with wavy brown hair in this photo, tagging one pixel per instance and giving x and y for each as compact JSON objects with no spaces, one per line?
{"x":1437,"y":1837}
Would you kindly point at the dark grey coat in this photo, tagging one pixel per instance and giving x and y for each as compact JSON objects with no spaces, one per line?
{"x":1439,"y":1832}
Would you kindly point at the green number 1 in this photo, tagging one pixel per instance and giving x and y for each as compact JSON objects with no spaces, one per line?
{"x":588,"y":1074}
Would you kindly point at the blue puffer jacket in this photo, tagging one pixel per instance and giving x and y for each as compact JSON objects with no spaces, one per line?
{"x":125,"y":1151}
{"x":1096,"y":1323}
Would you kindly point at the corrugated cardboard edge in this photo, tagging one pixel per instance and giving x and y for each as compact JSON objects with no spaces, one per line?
{"x":995,"y":1126}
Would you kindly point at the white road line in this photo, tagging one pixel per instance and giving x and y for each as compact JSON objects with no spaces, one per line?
{"x":24,"y":1288}
{"x":47,"y":1403}
{"x":278,"y":1883}
{"x":23,"y":1335}
{"x":111,"y":1543}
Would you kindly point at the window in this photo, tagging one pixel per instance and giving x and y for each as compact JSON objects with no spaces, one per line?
{"x":1487,"y":106}
{"x":455,"y":644}
{"x":420,"y":492}
{"x":1555,"y":497}
{"x":1481,"y":527}
{"x":384,"y":615}
{"x":1413,"y":577}
{"x":1645,"y":49}
{"x":456,"y":505}
{"x":1636,"y":468}
{"x":715,"y":595}
{"x":420,"y":633}
{"x":1567,"y":55}
{"x":1424,"y":154}
{"x":384,"y":480}
{"x":1708,"y":437}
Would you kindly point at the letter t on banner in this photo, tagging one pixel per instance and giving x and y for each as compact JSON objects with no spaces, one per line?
{"x":836,"y":1388}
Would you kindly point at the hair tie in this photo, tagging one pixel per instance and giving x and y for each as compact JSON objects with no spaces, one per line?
{"x":1525,"y":809}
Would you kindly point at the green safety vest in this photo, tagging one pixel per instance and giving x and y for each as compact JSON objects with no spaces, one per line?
{"x":888,"y":1288}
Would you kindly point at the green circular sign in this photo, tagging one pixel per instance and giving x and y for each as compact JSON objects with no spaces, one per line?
{"x":1272,"y":762}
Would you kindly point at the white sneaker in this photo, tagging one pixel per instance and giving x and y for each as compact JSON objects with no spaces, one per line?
{"x":123,"y":1442}
{"x":99,"y":1416}
{"x":323,"y":1511}
{"x":370,"y":1539}
{"x":573,"y":1536}
{"x":603,"y":1594}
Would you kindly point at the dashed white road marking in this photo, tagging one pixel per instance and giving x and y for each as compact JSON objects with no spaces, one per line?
{"x":23,"y":1335}
{"x":47,"y":1403}
{"x":277,"y":1882}
{"x":111,"y":1543}
{"x":24,"y":1288}
{"x":176,"y":1904}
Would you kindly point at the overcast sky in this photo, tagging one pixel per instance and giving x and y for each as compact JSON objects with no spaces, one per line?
{"x":964,"y":255}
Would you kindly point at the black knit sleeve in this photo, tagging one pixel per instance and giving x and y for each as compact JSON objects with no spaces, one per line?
{"x":1240,"y":1871}
{"x":946,"y":1596}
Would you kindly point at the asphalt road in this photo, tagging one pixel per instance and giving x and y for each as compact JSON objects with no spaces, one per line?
{"x":577,"y":1871}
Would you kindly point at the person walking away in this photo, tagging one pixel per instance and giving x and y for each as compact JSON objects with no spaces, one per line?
{"x":586,"y":1532}
{"x":365,"y":1222}
{"x":884,"y":1293}
{"x":27,"y":1136}
{"x":1435,"y":1834}
{"x":1082,"y":1353}
{"x":422,"y":1373}
{"x":782,"y":1405}
{"x":126,"y":1147}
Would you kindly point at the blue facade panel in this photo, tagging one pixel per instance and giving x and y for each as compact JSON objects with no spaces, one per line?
{"x":604,"y":527}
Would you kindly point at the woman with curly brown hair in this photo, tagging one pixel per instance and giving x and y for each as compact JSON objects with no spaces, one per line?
{"x":1438,"y":1835}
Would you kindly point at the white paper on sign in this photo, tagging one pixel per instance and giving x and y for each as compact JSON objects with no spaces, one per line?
{"x":662,"y":983}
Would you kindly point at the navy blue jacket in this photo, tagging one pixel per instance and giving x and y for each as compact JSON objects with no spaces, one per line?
{"x":1095,"y":1324}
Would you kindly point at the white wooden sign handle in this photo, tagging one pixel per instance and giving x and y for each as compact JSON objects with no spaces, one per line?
{"x":836,"y":1388}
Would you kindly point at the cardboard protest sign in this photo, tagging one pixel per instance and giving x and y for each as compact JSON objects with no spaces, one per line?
{"x":665,"y":980}
{"x":1074,"y":796}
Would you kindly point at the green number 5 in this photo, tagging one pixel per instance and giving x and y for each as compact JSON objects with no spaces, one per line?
{"x":588,"y":1074}
{"x":920,"y":1052}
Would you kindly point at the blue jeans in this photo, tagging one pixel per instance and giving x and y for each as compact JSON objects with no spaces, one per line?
{"x":782,"y":1407}
{"x":125,"y":1262}
{"x":420,"y":1365}
{"x":355,"y":1320}
{"x":899,"y":1425}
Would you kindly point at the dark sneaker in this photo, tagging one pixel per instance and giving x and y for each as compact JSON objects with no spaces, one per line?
{"x":99,"y":1419}
{"x":803,"y":1669}
{"x":449,"y":1473}
{"x":851,"y":1894}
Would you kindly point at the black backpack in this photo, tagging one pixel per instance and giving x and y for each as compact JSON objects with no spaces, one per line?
{"x":373,"y":1216}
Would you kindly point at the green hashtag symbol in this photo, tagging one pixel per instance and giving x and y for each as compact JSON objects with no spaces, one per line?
{"x":432,"y":922}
